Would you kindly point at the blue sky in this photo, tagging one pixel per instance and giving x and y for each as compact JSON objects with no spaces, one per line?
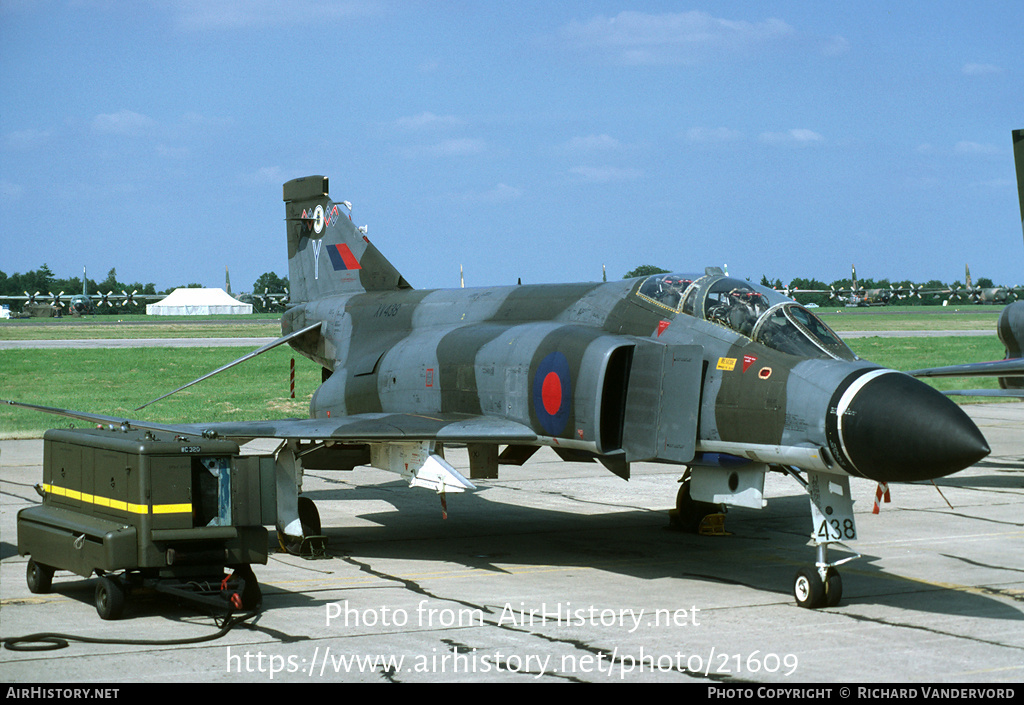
{"x":540,"y":140}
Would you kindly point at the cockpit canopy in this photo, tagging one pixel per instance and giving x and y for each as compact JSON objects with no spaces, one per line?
{"x":757,"y":312}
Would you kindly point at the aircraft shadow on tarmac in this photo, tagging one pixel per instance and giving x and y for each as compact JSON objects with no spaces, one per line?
{"x":762,"y":551}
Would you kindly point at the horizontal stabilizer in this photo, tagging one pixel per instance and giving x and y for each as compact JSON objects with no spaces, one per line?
{"x":436,"y":474}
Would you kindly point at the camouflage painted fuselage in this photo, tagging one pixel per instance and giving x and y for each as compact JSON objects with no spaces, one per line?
{"x":664,"y":368}
{"x":490,"y":352}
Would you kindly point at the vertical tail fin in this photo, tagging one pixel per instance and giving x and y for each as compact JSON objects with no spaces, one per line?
{"x":327,"y":255}
{"x":1018,"y":158}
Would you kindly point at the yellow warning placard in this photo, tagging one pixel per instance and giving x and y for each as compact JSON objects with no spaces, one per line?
{"x":727,"y":363}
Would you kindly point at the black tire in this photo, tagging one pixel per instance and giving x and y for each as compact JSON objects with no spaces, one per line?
{"x":833,"y":588}
{"x":808,"y":588}
{"x":110,"y":597}
{"x":689,"y":512}
{"x":39,"y":577}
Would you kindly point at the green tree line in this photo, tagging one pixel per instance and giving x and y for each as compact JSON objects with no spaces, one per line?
{"x":902,"y":293}
{"x":44,"y":285}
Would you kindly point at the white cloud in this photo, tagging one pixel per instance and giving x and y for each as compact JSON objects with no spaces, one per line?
{"x":996,"y":184}
{"x":591,"y":143}
{"x":447,"y":148}
{"x":606,"y":174}
{"x":501,"y":193}
{"x":835,"y":46}
{"x":712,"y":135}
{"x":203,"y":15}
{"x":265,"y":175}
{"x":794,"y":137}
{"x":975,"y":148}
{"x":193,"y":119}
{"x":169,"y":152}
{"x":124,"y":122}
{"x":980,"y":69}
{"x":962,"y":148}
{"x":22,"y":140}
{"x":428,"y":120}
{"x":10,"y":191}
{"x":641,"y":38}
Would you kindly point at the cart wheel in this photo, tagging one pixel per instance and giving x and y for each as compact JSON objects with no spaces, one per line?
{"x":109,"y":598}
{"x":39,"y":577}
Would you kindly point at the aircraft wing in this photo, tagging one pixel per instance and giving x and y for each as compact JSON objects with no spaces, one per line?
{"x":1018,"y":393}
{"x":357,"y":428}
{"x":997,"y":368}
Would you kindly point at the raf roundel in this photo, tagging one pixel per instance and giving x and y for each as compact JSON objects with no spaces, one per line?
{"x":552,"y":393}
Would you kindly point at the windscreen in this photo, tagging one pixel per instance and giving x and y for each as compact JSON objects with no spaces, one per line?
{"x":793,"y":329}
{"x":757,"y":312}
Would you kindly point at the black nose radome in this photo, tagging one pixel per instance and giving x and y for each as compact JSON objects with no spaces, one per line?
{"x":890,"y":427}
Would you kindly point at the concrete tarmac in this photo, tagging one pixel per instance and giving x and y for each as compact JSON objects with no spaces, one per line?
{"x":562,"y":572}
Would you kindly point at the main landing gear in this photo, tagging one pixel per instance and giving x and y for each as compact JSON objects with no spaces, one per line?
{"x":694,"y":516}
{"x":312,"y":543}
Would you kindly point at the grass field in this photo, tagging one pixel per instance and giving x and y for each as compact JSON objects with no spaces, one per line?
{"x":125,"y":327}
{"x":116,"y":381}
{"x":912,"y":318}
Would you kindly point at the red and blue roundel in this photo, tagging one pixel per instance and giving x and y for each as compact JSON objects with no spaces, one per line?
{"x":552,"y":393}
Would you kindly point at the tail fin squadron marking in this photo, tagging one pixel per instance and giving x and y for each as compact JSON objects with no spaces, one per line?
{"x":315,"y":224}
{"x":320,"y":218}
{"x":342,"y":257}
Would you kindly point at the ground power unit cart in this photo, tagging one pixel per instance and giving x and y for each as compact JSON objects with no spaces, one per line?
{"x":150,"y":511}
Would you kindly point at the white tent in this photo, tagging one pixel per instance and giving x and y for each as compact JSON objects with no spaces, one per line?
{"x":197,"y":302}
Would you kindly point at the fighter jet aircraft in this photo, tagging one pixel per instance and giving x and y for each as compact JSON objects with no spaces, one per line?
{"x":726,"y":379}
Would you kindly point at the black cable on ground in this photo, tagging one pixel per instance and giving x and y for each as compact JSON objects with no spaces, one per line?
{"x":51,"y":641}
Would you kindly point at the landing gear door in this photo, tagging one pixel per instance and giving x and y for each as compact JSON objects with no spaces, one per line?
{"x":663,"y":402}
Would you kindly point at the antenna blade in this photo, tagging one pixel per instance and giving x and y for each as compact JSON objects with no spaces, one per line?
{"x":249,"y":356}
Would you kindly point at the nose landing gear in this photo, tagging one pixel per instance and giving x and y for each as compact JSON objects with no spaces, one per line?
{"x":820,"y":585}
